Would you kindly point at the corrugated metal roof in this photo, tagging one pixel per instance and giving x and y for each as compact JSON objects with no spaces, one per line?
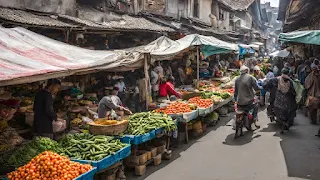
{"x":130,"y":22}
{"x":126,"y":23}
{"x":65,"y":21}
{"x":24,"y":17}
{"x":239,"y":5}
{"x":81,"y":21}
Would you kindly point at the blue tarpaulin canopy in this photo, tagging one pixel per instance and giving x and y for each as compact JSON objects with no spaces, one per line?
{"x":305,"y":37}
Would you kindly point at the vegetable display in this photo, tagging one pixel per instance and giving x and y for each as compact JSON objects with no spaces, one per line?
{"x":84,"y":146}
{"x":142,"y":123}
{"x":30,"y":150}
{"x":224,"y":94}
{"x":202,"y":103}
{"x":49,"y":166}
{"x":206,"y":95}
{"x":177,"y":108}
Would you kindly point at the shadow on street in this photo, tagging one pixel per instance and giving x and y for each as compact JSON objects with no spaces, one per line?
{"x":300,"y":147}
{"x":176,"y":152}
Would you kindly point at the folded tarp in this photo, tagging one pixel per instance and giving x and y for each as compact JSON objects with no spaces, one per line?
{"x":27,"y":57}
{"x":305,"y":37}
{"x":210,"y":46}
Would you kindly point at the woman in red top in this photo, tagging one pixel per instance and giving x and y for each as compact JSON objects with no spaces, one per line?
{"x":167,"y":89}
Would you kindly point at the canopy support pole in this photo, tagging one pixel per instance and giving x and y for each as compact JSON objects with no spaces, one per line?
{"x":146,"y":74}
{"x":198,"y":67}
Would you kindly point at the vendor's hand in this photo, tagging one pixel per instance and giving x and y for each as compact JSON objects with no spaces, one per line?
{"x":127,"y":110}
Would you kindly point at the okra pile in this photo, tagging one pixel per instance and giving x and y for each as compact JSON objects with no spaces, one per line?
{"x":84,"y":146}
{"x":30,"y":150}
{"x":142,"y":123}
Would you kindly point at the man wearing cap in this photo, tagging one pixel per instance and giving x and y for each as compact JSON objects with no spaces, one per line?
{"x":257,"y":73}
{"x":111,"y":102}
{"x":245,"y":87}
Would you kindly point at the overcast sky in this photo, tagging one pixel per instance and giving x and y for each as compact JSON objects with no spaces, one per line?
{"x":274,"y":3}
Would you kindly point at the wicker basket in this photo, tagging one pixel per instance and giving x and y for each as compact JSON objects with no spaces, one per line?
{"x":115,"y":129}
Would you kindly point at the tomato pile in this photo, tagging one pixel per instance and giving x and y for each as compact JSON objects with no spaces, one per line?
{"x":49,"y":166}
{"x":231,"y":90}
{"x":175,"y":108}
{"x":202,"y":103}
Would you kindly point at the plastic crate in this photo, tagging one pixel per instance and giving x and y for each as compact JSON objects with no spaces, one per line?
{"x":127,"y":139}
{"x":144,"y":138}
{"x":159,"y":131}
{"x":109,"y":160}
{"x":88,"y":175}
{"x":124,"y":152}
{"x":136,"y":140}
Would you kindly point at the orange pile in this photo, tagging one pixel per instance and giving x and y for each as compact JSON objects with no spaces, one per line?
{"x":202,"y":103}
{"x":177,"y":108}
{"x":49,"y":166}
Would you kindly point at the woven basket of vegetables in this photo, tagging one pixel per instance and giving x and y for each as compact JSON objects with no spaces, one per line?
{"x":108,"y":127}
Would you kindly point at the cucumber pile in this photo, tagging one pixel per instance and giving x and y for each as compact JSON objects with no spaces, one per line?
{"x":142,"y":123}
{"x":85,"y":146}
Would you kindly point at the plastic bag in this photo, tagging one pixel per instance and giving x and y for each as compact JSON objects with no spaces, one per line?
{"x":86,"y":119}
{"x":59,"y":125}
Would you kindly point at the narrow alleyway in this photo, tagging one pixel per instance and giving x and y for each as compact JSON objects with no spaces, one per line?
{"x":262,"y":155}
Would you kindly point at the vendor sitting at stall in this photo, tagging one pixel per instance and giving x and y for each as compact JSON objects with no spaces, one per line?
{"x":111,"y":102}
{"x":166,"y":88}
{"x":43,"y":109}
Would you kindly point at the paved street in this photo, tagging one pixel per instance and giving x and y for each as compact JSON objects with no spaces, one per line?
{"x":262,"y":155}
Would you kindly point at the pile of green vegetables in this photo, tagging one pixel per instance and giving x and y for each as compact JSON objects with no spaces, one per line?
{"x":235,"y":74}
{"x":223,"y":95}
{"x":208,"y":95}
{"x":84,"y":146}
{"x":24,"y":154}
{"x":142,"y":123}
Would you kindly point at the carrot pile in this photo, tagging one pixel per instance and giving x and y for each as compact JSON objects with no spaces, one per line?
{"x":202,"y":103}
{"x":175,"y":108}
{"x":49,"y":166}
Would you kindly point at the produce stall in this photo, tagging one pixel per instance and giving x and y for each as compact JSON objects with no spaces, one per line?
{"x":143,"y":129}
{"x":50,"y":165}
{"x":99,"y":151}
{"x":198,"y":102}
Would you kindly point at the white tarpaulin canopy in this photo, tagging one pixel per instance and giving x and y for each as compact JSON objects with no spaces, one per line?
{"x":211,"y":45}
{"x":282,"y":53}
{"x":28,"y":57}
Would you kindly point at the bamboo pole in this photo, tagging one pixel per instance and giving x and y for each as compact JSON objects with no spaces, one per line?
{"x":198,"y":66}
{"x":146,"y":74}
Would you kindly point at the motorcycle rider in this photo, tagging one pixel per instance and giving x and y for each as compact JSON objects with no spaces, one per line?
{"x":244,"y":94}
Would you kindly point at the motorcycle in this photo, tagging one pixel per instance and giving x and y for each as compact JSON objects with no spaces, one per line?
{"x":244,"y":118}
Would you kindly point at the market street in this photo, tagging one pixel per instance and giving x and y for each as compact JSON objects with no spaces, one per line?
{"x":262,"y":155}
